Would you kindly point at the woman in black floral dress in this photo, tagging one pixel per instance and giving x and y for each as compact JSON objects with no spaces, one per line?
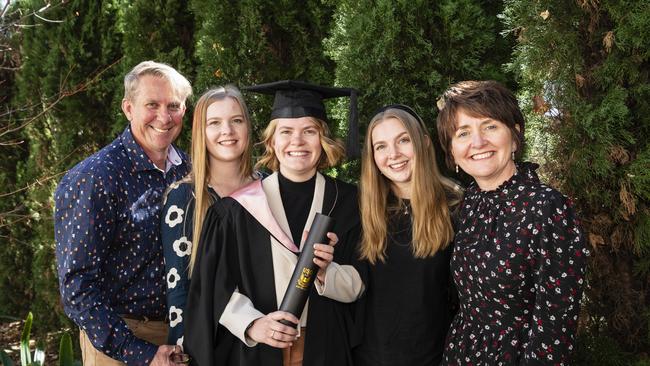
{"x":519,"y":254}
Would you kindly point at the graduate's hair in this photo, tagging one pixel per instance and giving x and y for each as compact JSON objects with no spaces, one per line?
{"x":200,"y":174}
{"x":431,"y":195}
{"x":484,"y":98}
{"x":180,"y":85}
{"x":333,"y":150}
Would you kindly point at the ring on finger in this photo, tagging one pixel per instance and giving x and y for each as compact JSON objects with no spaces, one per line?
{"x":273,"y":335}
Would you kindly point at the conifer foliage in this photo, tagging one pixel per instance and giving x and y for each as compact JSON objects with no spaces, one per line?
{"x":65,"y":52}
{"x":410,"y":51}
{"x":158,"y":30}
{"x":580,"y":67}
{"x":584,"y":69}
{"x":251,"y":42}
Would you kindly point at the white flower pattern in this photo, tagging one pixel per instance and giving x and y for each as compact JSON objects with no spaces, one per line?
{"x":175,"y":316}
{"x":172,"y":278}
{"x":176,"y":234}
{"x":175,"y":212}
{"x":182,"y":247}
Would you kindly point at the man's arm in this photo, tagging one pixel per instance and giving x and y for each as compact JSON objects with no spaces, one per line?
{"x":85,"y":224}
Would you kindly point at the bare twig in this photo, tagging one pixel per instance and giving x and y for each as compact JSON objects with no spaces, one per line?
{"x":21,"y":218}
{"x":18,"y":22}
{"x":62,"y":94}
{"x":47,"y":20}
{"x":11,"y":142}
{"x":5,"y":8}
{"x":39,"y":182}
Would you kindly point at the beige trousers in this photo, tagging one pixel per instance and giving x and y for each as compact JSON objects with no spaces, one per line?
{"x":151,"y":331}
{"x":293,"y":355}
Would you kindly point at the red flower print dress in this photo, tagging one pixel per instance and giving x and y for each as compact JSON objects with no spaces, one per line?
{"x":518,"y":264}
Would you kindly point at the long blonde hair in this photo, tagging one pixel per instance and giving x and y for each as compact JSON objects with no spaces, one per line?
{"x":432,"y":229}
{"x":333,"y":150}
{"x":200,"y":163}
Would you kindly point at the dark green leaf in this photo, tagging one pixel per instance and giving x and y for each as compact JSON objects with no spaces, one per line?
{"x":65,"y":351}
{"x":4,"y":359}
{"x":25,"y":355}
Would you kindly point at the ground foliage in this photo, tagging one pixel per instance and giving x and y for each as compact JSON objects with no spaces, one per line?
{"x":580,"y":68}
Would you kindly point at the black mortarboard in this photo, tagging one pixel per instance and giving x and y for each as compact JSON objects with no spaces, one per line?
{"x":295,"y":99}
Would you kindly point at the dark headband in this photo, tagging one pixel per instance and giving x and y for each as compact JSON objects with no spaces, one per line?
{"x":405,"y":108}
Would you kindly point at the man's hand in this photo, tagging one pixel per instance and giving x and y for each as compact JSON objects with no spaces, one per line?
{"x":163,"y":356}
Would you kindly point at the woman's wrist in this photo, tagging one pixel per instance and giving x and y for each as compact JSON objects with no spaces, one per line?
{"x":248,"y":327}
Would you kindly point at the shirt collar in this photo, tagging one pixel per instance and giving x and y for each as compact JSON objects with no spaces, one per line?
{"x":139,"y":158}
{"x":173,"y":158}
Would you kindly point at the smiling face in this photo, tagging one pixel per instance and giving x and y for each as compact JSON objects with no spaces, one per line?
{"x":296,"y":144}
{"x":483,"y":147}
{"x":226,"y":131}
{"x":156,"y":116}
{"x":393,"y":154}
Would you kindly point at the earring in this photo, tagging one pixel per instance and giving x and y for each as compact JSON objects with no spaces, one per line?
{"x":513,"y":156}
{"x":456,"y":168}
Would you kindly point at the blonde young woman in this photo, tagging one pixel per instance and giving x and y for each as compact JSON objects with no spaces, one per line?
{"x":247,"y":259}
{"x":221,"y":163}
{"x":407,"y":231}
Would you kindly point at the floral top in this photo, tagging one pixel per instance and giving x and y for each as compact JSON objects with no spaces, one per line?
{"x":176,"y":232}
{"x":519,"y":264}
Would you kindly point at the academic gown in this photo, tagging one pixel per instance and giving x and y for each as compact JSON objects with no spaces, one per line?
{"x":236,"y":256}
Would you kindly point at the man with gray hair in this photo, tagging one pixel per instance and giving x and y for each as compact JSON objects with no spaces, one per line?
{"x":107,"y":214}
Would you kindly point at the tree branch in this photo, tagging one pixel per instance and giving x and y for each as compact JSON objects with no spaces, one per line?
{"x":62,"y":95}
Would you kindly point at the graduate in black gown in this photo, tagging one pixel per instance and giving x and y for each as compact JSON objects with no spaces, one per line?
{"x":407,"y":231}
{"x":251,"y":241}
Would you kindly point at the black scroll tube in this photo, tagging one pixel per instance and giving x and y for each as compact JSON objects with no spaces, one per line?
{"x":305,"y":272}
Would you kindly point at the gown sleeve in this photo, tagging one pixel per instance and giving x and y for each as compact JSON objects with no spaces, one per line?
{"x":342,"y":283}
{"x":238,"y":314}
{"x":177,"y":246}
{"x":559,"y":278}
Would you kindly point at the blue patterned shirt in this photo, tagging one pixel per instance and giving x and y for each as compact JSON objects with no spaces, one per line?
{"x":108,"y":247}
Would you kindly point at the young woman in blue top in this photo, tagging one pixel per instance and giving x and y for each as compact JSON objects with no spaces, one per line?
{"x":221,"y":164}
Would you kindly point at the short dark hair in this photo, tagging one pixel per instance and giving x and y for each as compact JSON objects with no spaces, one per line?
{"x":486,"y":98}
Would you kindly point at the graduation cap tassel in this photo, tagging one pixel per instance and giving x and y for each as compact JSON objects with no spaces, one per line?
{"x":353,"y":151}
